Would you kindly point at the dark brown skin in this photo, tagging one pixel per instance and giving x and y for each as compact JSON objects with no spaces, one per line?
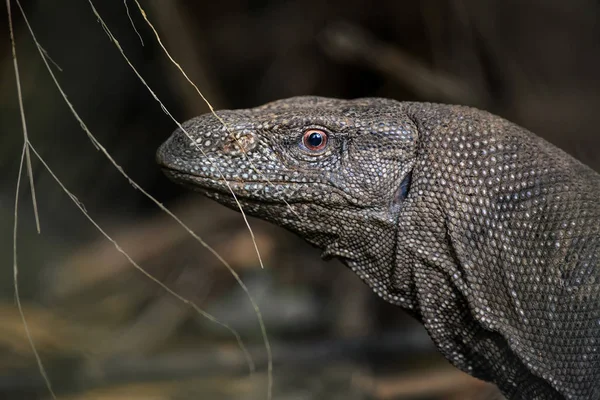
{"x":486,"y":233}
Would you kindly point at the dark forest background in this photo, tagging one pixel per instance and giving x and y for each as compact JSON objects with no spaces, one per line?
{"x":103,"y":330}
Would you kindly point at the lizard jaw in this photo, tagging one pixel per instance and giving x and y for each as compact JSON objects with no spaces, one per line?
{"x":260,"y":192}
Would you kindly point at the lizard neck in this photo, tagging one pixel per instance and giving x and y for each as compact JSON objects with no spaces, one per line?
{"x":364,"y":239}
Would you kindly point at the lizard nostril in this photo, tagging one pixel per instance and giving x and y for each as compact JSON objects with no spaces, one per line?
{"x":242,"y":144}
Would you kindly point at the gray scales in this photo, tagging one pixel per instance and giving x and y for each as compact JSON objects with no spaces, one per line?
{"x":484,"y":232}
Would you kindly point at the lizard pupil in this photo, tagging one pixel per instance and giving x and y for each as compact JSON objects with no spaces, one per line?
{"x":314,"y":139}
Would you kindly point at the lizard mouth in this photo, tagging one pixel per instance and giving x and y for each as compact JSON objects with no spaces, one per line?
{"x":218,"y":187}
{"x":252,"y":191}
{"x":201,"y":182}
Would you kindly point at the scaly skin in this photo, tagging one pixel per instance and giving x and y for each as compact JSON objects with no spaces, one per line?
{"x":486,"y":233}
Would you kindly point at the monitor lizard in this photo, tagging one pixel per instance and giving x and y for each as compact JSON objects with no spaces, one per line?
{"x":483,"y":231}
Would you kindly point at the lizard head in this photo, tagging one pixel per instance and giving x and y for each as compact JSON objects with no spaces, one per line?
{"x":309,"y":164}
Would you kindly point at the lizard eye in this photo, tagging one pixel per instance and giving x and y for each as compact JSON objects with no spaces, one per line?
{"x":314,"y":139}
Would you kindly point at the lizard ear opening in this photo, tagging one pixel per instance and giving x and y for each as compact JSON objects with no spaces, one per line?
{"x":404,"y":188}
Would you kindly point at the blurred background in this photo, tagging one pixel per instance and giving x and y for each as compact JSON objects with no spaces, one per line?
{"x":103,"y":330}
